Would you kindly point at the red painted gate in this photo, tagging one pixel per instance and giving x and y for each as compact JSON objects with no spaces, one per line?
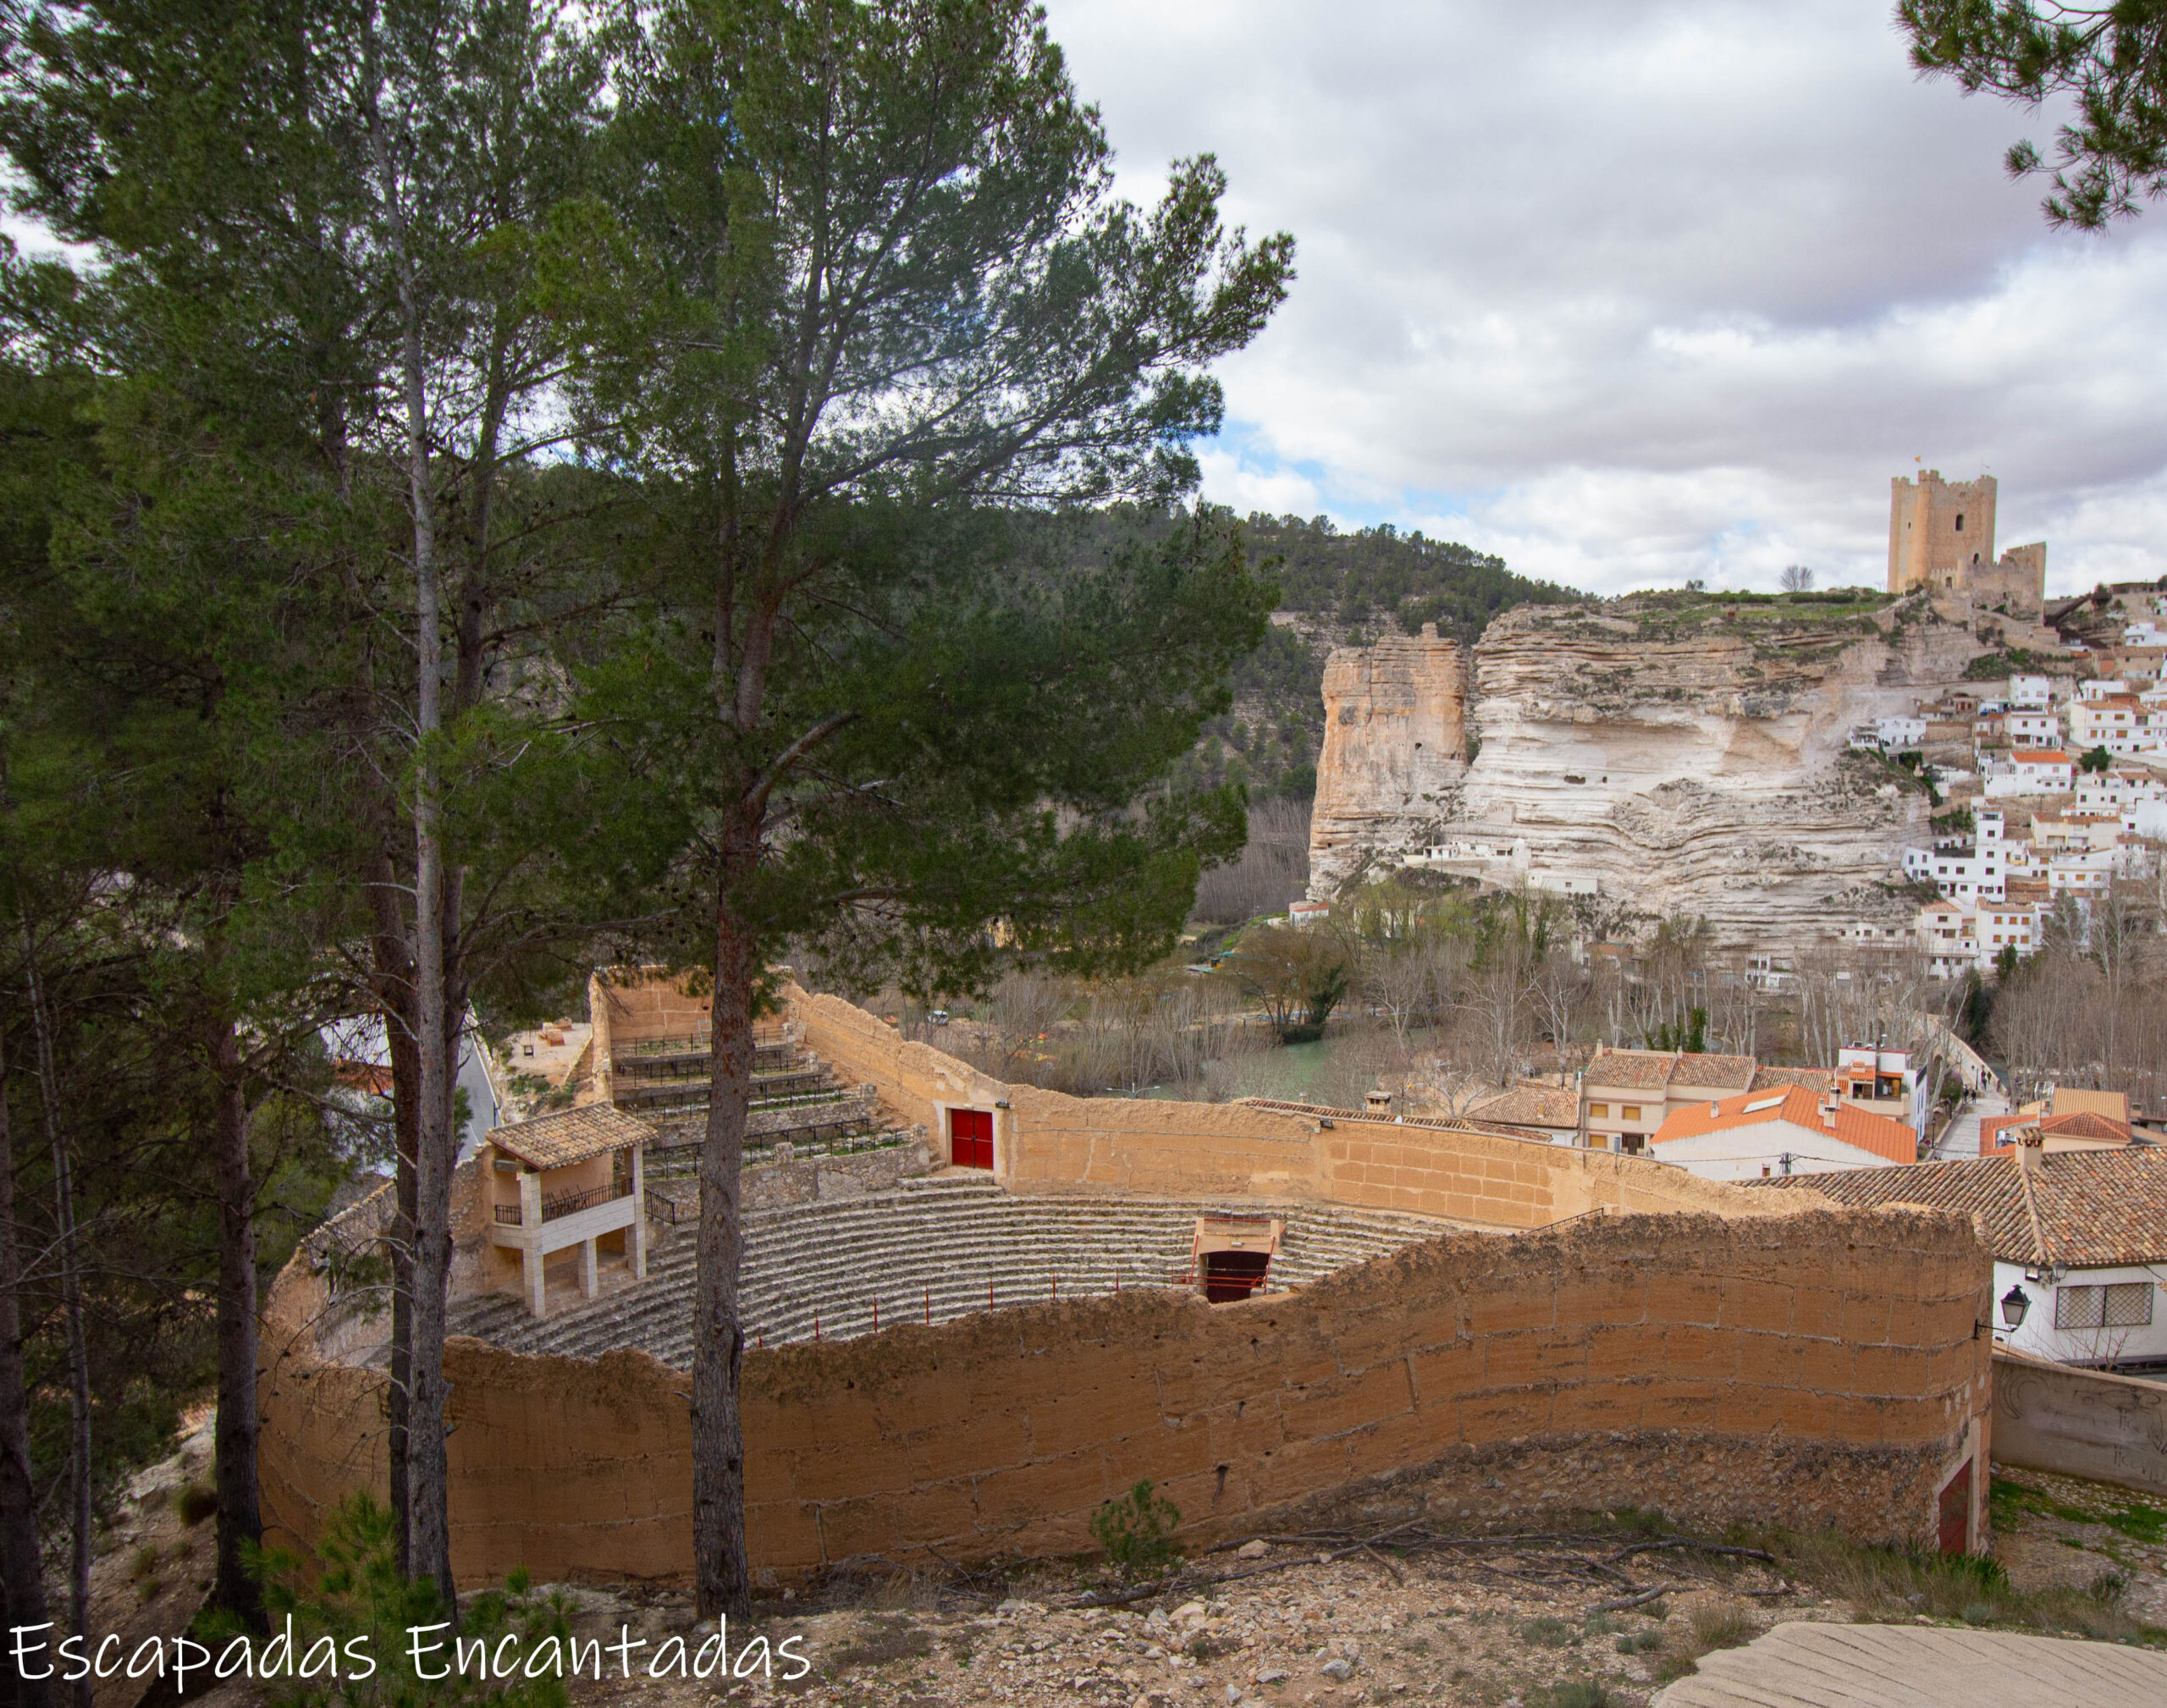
{"x":970,"y":1138}
{"x":1956,"y":1512}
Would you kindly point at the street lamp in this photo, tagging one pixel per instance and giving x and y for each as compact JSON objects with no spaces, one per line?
{"x":2014,"y":1304}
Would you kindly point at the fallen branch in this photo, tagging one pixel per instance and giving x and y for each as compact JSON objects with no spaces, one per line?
{"x":1618,"y":1604}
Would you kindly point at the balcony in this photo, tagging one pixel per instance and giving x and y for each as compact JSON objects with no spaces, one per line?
{"x":564,"y":1203}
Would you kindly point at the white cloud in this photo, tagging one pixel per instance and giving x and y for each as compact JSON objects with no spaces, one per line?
{"x":1632,"y":292}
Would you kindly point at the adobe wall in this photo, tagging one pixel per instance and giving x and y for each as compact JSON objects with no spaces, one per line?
{"x":915,"y":1080}
{"x":2079,"y":1423}
{"x":1813,"y":1369}
{"x":1047,"y":1141}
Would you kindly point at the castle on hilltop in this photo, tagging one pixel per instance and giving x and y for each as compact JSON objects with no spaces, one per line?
{"x":1941,"y":537}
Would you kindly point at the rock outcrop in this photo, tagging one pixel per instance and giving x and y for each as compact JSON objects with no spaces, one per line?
{"x":1661,"y":756}
{"x":1394,"y":750}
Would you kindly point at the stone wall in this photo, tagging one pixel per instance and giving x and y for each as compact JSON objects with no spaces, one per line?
{"x":780,"y":1176}
{"x":2050,"y":1417}
{"x":1395,"y":746}
{"x":1814,"y":1369}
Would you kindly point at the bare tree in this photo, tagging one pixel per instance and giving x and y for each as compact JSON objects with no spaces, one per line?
{"x":1796,"y":578}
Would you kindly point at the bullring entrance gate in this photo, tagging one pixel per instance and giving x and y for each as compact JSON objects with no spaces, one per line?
{"x":970,"y":1138}
{"x":1231,"y":1254}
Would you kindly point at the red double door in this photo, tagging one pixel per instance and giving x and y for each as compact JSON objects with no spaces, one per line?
{"x":970,"y":1138}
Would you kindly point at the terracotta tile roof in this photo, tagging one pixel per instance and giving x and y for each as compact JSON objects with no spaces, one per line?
{"x":1631,"y":1070}
{"x":2082,"y":1124}
{"x":1820,"y":1079}
{"x":572,"y":1135}
{"x":1532,"y":1106}
{"x":2088,"y":1209}
{"x":1798,"y":1107}
{"x":1723,"y":1072}
{"x":2041,"y":756}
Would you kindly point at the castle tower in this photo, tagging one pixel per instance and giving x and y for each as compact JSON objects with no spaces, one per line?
{"x":1939,"y":531}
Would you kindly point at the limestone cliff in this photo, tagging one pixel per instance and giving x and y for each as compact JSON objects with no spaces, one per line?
{"x":1669,"y":755}
{"x":1394,"y":750}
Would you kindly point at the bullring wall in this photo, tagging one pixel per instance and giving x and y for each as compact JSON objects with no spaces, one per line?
{"x":1047,"y":1141}
{"x":1814,"y":1368}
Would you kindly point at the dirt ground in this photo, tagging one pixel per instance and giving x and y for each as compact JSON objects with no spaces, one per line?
{"x":1498,"y":1623}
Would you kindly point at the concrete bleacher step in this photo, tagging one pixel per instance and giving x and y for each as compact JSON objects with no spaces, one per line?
{"x":933,"y":1243}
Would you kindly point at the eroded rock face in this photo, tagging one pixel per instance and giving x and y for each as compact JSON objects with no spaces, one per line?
{"x":1679,"y":764}
{"x":1395,"y":749}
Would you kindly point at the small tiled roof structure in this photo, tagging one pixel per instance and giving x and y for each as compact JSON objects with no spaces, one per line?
{"x":1821,"y":1080}
{"x":1795,"y":1106}
{"x":2087,"y":1208}
{"x":570,"y":1136}
{"x":1530,"y":1104}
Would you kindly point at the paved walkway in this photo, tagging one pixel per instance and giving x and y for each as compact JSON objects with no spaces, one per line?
{"x":1962,"y":1138}
{"x":1808,"y":1666}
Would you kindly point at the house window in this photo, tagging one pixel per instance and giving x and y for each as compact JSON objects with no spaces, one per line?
{"x":1629,"y":1111}
{"x":1598,"y":1111}
{"x":2117,"y":1305}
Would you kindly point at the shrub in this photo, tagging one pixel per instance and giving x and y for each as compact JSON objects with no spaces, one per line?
{"x":1580,"y":1692}
{"x":1549,"y":1632}
{"x":1137,"y":1533}
{"x":360,"y":1593}
{"x":198,"y":1501}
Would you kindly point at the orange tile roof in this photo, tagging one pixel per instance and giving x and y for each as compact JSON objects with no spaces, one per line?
{"x":1801,"y":1108}
{"x":2041,"y":756}
{"x":2083,"y":1123}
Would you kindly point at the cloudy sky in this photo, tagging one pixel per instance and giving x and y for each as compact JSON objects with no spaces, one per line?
{"x":1632,"y":292}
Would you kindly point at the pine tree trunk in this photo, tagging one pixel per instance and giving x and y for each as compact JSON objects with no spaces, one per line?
{"x":22,"y":1560}
{"x":436,"y":1148}
{"x":241,"y":1518}
{"x":392,"y":972}
{"x":722,"y":1574}
{"x":71,"y":1299}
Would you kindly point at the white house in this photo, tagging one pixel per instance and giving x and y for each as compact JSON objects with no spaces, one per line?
{"x":2049,"y":771}
{"x":1899,"y":734}
{"x":2032,"y":729}
{"x":1972,"y":872}
{"x":1956,"y":936}
{"x":2079,"y":1239}
{"x":1758,"y":1136}
{"x":2032,"y":693}
{"x":2120,"y":723}
{"x":2099,"y":688}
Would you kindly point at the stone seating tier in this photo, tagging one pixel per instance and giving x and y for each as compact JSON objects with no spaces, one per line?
{"x":936,"y":1243}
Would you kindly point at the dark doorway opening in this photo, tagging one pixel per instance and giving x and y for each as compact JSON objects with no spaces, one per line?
{"x":1234,"y":1274}
{"x":970,"y":1138}
{"x":1956,"y":1512}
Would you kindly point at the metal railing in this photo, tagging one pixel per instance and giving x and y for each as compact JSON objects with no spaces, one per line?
{"x":563,"y":1204}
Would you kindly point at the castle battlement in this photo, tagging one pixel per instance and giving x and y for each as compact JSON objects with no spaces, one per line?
{"x":1941,"y":538}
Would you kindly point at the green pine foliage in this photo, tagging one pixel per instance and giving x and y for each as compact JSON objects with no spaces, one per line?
{"x":1137,"y":1534}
